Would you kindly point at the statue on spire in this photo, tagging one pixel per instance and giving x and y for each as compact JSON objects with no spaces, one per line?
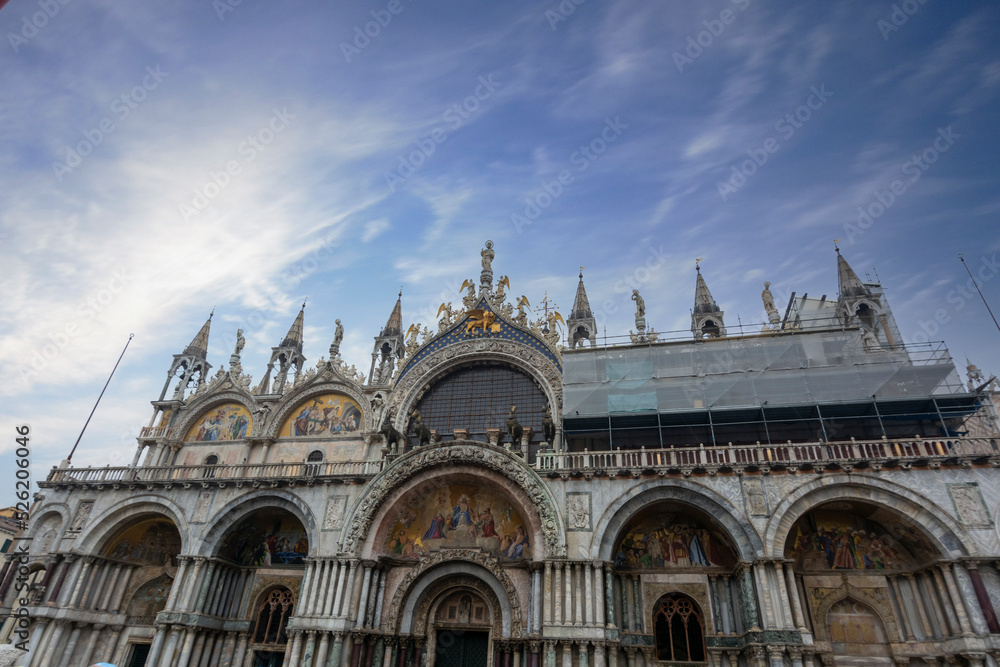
{"x":338,"y":336}
{"x":640,"y":305}
{"x":488,"y":255}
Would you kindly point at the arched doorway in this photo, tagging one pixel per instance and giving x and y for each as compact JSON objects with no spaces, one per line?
{"x":460,"y":629}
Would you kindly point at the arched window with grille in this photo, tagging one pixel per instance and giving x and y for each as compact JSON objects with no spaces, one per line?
{"x":272,"y":617}
{"x":679,"y":629}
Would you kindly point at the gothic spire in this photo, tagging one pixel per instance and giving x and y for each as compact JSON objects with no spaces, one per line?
{"x":581,"y":305}
{"x":581,"y":324}
{"x":703,"y":301}
{"x":199,"y":344}
{"x":293,"y":338}
{"x":850,"y":284}
{"x":394,"y":325}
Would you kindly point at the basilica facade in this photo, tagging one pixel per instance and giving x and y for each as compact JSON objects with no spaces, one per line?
{"x":505,"y":491}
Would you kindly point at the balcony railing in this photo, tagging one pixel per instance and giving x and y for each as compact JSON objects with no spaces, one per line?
{"x":124,"y":475}
{"x":816,"y":455}
{"x":812,"y":455}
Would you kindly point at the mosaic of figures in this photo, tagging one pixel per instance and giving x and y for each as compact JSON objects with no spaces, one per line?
{"x":459,"y":516}
{"x":832,"y":539}
{"x":149,"y":600}
{"x":149,"y":542}
{"x":668,"y":536}
{"x":266,"y":537}
{"x":225,"y":422}
{"x":324,"y":415}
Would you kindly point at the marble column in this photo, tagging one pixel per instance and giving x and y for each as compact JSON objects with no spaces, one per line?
{"x":599,"y":592}
{"x":609,"y":596}
{"x":187,"y":647}
{"x":547,"y":595}
{"x":310,"y":648}
{"x":178,"y":582}
{"x":588,"y":593}
{"x":925,"y":622}
{"x":905,"y":622}
{"x":199,"y":647}
{"x":74,"y":637}
{"x":190,"y":586}
{"x":88,"y":649}
{"x":296,"y":649}
{"x":105,"y":603}
{"x":323,"y":650}
{"x":338,"y":647}
{"x":82,"y":580}
{"x":579,"y":591}
{"x":365,"y":585}
{"x":334,"y":588}
{"x":956,"y":597}
{"x":559,"y":618}
{"x":798,"y":617}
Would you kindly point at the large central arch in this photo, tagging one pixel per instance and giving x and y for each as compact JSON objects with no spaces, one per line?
{"x":474,"y":454}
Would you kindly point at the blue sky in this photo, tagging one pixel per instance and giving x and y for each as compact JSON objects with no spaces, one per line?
{"x":163,"y":159}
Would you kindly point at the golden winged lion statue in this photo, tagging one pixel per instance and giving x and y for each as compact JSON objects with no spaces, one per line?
{"x":480,"y":318}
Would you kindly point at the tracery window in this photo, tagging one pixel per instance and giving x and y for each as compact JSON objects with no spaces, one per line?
{"x":272,"y":617}
{"x":314,"y":456}
{"x":679,"y":628}
{"x":210,"y":460}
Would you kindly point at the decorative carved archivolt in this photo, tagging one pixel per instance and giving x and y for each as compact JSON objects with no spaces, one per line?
{"x":476,"y":453}
{"x":453,"y":555}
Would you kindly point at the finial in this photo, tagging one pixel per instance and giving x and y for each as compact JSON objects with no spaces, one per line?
{"x":211,"y":313}
{"x":304,"y":303}
{"x":697,"y":263}
{"x":581,"y":272}
{"x":400,"y":292}
{"x":836,"y":245}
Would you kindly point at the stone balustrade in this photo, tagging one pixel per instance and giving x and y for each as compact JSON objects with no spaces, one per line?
{"x":213,"y":474}
{"x":901,"y":452}
{"x":846,"y":455}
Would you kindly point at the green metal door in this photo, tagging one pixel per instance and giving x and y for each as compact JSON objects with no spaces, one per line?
{"x":469,"y":649}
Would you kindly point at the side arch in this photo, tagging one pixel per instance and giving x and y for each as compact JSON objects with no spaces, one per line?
{"x":362,"y":515}
{"x":746,"y":540}
{"x":238,"y":508}
{"x":950,"y":539}
{"x":103,"y":527}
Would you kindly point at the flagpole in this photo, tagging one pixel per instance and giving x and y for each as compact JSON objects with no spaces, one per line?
{"x":70,"y":457}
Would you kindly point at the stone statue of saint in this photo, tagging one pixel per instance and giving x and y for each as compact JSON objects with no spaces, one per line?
{"x":640,"y":305}
{"x":488,"y":256}
{"x":338,"y":336}
{"x":240,"y":342}
{"x":768,"y":300}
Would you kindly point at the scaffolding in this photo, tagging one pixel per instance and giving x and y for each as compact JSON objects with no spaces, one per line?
{"x":802,"y":386}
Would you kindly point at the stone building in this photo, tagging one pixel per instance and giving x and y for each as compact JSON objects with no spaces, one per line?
{"x":804,"y":494}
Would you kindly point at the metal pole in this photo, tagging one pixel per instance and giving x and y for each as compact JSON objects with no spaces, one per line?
{"x":973,"y":279}
{"x":764,"y":417}
{"x":826,"y":438}
{"x":880,"y":424}
{"x":70,"y":457}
